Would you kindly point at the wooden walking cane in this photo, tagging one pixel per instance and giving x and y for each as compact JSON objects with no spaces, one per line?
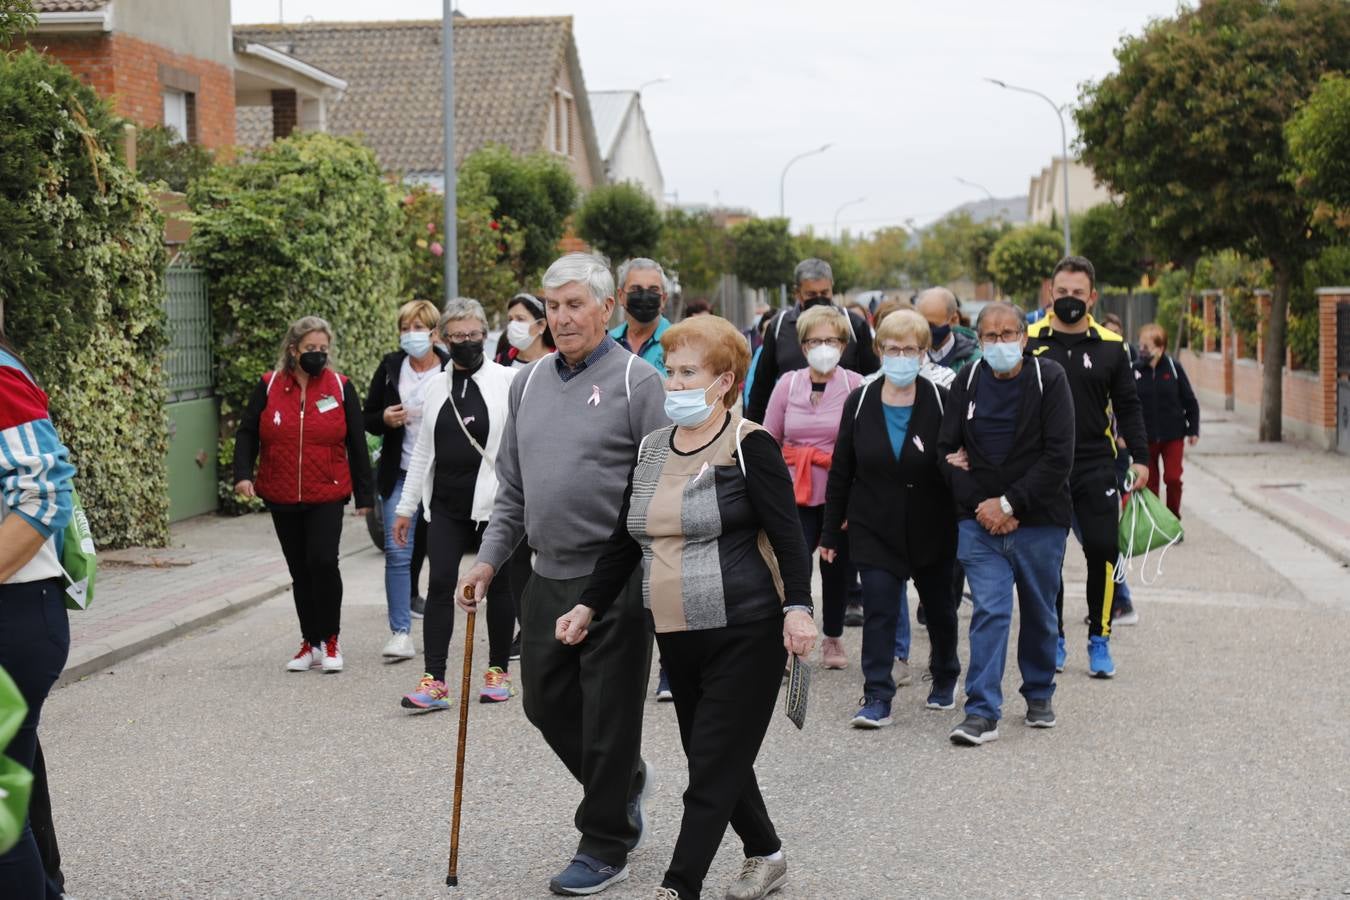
{"x":452,"y":876}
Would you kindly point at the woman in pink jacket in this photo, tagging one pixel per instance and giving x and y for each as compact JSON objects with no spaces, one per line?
{"x":803,"y":416}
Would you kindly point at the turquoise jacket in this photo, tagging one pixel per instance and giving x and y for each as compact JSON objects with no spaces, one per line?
{"x":651,"y":351}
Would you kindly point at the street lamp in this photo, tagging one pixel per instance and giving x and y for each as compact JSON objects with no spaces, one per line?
{"x":842,"y":207}
{"x":1064,"y":143}
{"x":450,"y":253}
{"x":661,"y":80}
{"x":782,"y":179}
{"x":978,"y":187}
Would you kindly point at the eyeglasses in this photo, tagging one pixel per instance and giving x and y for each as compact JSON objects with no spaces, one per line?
{"x":460,"y":337}
{"x":1007,"y":336}
{"x":813,"y":343}
{"x":891,"y":351}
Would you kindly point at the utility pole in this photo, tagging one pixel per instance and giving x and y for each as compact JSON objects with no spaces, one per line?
{"x":450,"y":256}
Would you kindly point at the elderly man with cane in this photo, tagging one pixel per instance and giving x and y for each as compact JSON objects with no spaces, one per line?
{"x":577,"y":417}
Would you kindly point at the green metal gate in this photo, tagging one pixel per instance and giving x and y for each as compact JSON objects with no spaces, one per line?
{"x":194,"y":416}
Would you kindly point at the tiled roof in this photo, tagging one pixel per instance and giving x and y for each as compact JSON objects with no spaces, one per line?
{"x":505,"y":70}
{"x":608,"y":111}
{"x":49,"y":6}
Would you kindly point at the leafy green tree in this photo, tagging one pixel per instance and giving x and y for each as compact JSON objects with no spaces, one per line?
{"x":620,"y":220}
{"x":841,"y":257}
{"x":161,"y":155}
{"x":763,"y":254}
{"x":1190,"y":130}
{"x":1023,"y":258}
{"x":1319,"y":151}
{"x":537,"y":191}
{"x":1105,"y":235}
{"x":16,"y":17}
{"x":696,"y":248}
{"x":955,"y":247}
{"x":883,"y":258}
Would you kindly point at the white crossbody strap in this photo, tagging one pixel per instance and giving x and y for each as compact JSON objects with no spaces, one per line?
{"x":464,"y":428}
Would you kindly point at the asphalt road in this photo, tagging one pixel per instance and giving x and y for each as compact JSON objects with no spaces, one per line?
{"x":1216,"y":764}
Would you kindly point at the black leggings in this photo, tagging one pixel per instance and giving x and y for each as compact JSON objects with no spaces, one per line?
{"x":447,"y":541}
{"x":834,"y":576}
{"x":309,"y":539}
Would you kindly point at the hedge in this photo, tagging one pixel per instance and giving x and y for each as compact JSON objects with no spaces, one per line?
{"x":305,"y":226}
{"x":82,"y":292}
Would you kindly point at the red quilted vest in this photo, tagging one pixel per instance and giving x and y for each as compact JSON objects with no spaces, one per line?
{"x":303,"y":455}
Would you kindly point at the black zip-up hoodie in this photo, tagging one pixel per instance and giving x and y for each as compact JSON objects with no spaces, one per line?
{"x":383,"y":394}
{"x":1035,"y":475}
{"x":1171,"y":411}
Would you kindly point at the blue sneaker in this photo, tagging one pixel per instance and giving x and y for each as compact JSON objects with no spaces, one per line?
{"x":942,"y":696}
{"x":1061,"y":654}
{"x":586,"y":875}
{"x":663,"y":694}
{"x":1099,"y":658}
{"x":637,"y":806}
{"x":873,"y":714}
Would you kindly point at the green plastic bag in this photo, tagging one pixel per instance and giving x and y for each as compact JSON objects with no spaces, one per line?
{"x":79,"y":557}
{"x":16,"y":782}
{"x":1146,"y":525}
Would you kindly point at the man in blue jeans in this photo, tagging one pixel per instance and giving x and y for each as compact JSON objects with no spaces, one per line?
{"x":1007,"y":442}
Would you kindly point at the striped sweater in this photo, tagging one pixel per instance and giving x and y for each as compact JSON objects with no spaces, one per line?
{"x":35,"y":470}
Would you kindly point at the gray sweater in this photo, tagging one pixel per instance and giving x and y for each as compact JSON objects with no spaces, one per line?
{"x":565,"y":457}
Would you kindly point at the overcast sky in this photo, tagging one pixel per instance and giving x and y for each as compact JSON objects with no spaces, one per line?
{"x":895,"y":85}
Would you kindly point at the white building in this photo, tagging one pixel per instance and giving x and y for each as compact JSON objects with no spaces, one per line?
{"x":626,"y":142}
{"x":1045,"y":196}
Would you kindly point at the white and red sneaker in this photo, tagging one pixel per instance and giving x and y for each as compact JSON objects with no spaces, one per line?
{"x":332,"y":657}
{"x":305,"y":658}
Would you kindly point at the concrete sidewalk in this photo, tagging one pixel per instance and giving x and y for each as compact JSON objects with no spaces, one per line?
{"x":1303,"y":488}
{"x":213,"y":566}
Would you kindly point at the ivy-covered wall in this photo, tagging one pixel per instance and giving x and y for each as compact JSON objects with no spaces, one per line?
{"x":305,"y":226}
{"x":81,"y":268}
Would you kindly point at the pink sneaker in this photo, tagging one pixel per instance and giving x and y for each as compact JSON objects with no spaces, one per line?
{"x":497,"y":687}
{"x":430,"y":694}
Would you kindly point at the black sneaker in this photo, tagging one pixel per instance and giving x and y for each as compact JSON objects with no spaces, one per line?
{"x":853,"y":616}
{"x":1040,"y":714}
{"x":418,"y":605}
{"x":975,"y":730}
{"x":920,"y":616}
{"x":515,"y":647}
{"x":637,"y":807}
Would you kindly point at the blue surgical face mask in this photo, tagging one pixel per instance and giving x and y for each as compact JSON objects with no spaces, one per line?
{"x":1003,"y":357}
{"x":415,"y":343}
{"x":899,"y":370}
{"x":689,"y":408}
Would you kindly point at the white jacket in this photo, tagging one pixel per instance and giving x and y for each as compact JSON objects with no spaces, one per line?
{"x":493,"y":382}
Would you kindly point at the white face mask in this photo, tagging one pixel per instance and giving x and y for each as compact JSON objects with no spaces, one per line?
{"x":518,"y":334}
{"x":823,"y":359}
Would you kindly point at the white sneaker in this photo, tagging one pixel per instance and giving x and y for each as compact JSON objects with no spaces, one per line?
{"x":332,"y":656}
{"x":399,"y":646}
{"x":306,"y":657}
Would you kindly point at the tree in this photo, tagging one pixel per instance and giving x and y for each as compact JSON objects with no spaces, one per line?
{"x":883,"y":258}
{"x":1105,"y":235}
{"x":955,"y":247}
{"x":161,"y":155}
{"x":696,"y":248}
{"x":1190,"y":130}
{"x":536,"y":191}
{"x":1023,"y":258}
{"x":763,"y":253}
{"x":620,"y":220}
{"x":841,"y":257}
{"x":1319,"y":151}
{"x":16,"y":17}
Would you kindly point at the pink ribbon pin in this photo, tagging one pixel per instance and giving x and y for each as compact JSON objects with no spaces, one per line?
{"x":595,"y":395}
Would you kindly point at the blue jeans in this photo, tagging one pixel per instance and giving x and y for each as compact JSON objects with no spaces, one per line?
{"x":902,"y":624}
{"x":398,"y":562}
{"x":1029,"y":558}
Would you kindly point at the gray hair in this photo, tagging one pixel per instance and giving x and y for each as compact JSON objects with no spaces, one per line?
{"x":462,"y":308}
{"x":641,"y":264}
{"x":953,"y":308}
{"x":1000,"y":307}
{"x":812,"y":270}
{"x":299,"y":328}
{"x":590,"y":269}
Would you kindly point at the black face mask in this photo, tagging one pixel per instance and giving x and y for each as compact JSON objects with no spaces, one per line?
{"x":644,"y":306}
{"x":940,"y":334}
{"x":1070,"y":309}
{"x":816,"y":301}
{"x":313,"y":361}
{"x":468,"y":354}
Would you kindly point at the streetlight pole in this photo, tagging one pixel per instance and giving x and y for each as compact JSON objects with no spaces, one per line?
{"x":978,"y":187}
{"x":782,"y":209}
{"x":1064,"y":144}
{"x":842,"y":207}
{"x":450,"y":254}
{"x":661,"y":80}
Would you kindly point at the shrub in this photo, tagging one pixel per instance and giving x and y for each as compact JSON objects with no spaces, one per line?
{"x":81,"y":290}
{"x":620,"y":221}
{"x":537,"y":191}
{"x":306,"y":226}
{"x":162,"y":156}
{"x":1023,"y":258}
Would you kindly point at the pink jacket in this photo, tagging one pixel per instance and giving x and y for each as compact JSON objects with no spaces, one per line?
{"x":792,"y":418}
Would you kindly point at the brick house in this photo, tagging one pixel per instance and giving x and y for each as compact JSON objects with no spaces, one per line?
{"x":518,"y":83}
{"x":164,"y":62}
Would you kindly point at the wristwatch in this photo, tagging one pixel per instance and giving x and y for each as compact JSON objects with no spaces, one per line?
{"x":799,"y":608}
{"x":1004,"y":505}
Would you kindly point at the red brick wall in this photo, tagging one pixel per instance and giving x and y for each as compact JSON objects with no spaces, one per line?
{"x":128,"y":70}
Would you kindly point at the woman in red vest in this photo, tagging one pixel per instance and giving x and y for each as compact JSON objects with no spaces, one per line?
{"x":303,"y":427}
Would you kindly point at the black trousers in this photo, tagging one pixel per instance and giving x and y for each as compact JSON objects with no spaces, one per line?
{"x":881,"y":612}
{"x":836,"y":578}
{"x":40,"y":819}
{"x":586,"y":700}
{"x":725,"y":682}
{"x":309,"y":539}
{"x":519,"y":568}
{"x":447,"y":541}
{"x":419,"y":556}
{"x":1096,"y":511}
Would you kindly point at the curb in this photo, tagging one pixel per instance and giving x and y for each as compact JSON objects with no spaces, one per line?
{"x":91,"y":658}
{"x":1257,"y":503}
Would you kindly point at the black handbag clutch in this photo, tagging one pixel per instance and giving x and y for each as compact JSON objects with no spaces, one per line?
{"x":798,"y":688}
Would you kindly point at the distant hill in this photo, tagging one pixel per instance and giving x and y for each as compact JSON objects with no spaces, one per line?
{"x":1012,"y":210}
